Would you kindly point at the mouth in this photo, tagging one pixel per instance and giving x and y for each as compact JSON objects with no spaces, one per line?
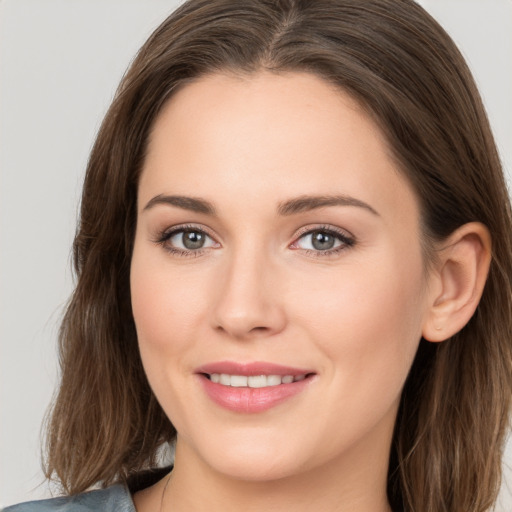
{"x":252,"y":387}
{"x":254,"y":381}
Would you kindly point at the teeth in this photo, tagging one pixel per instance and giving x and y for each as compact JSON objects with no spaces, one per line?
{"x":238,"y":381}
{"x":273,"y":380}
{"x":257,"y":381}
{"x":254,"y":381}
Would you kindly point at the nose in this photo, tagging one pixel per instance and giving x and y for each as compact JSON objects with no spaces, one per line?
{"x":249,"y":304}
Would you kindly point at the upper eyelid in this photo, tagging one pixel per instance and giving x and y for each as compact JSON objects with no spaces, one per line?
{"x":331,"y":229}
{"x":185,"y":227}
{"x":303,"y":231}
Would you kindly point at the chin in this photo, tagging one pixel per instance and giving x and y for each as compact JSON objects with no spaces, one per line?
{"x":258,"y":469}
{"x":252,"y":460}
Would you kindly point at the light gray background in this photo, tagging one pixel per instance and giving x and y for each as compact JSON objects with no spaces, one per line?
{"x":60,"y":61}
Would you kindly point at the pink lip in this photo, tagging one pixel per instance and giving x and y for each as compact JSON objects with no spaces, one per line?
{"x":251,"y":400}
{"x":254,"y":368}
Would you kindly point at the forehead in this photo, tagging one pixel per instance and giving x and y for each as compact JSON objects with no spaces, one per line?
{"x":265,"y":137}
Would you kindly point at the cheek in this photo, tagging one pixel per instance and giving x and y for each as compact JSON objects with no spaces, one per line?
{"x":165,"y":302}
{"x":162,"y":313}
{"x":367,"y":326}
{"x":367,"y":318}
{"x":164,"y":308}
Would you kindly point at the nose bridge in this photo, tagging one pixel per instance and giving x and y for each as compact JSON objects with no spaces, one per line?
{"x":247,"y":303}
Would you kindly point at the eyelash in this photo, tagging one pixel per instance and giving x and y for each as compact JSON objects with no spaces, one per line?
{"x":347,"y":241}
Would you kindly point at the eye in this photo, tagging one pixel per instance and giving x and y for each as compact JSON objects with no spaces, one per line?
{"x":192,"y":241}
{"x":323,"y":241}
{"x":186,"y":241}
{"x":189,"y":239}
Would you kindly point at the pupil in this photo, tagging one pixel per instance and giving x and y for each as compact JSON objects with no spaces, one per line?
{"x":322,"y":241}
{"x":193,"y":239}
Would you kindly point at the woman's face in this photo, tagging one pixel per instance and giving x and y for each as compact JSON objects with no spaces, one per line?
{"x":276,"y":242}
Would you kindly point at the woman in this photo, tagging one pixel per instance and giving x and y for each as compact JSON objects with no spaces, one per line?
{"x":293,"y":263}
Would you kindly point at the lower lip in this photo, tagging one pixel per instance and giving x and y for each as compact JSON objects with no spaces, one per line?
{"x":251,"y":400}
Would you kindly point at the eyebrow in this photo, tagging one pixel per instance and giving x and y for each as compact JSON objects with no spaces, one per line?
{"x":285,"y":208}
{"x":305,"y":203}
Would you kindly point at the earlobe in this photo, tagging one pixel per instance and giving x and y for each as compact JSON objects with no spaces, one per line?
{"x":458,"y":281}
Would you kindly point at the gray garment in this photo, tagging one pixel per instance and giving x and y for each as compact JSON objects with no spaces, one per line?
{"x":116,"y":498}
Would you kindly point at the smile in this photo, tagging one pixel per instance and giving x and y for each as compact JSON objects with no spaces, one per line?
{"x":252,"y":387}
{"x":253,"y":381}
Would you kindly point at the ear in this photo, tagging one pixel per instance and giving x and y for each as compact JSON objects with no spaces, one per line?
{"x":457,"y":282}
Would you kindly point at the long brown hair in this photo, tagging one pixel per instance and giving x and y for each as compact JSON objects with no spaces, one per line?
{"x":408,"y":74}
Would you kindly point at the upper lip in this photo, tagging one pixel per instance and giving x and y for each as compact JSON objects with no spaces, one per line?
{"x":252,"y":368}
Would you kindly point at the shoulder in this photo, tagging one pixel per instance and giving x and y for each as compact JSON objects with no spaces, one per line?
{"x":116,"y":498}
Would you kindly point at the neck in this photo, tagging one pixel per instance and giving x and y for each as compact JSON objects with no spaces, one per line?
{"x":352,"y":483}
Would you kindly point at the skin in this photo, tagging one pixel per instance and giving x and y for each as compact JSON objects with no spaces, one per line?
{"x":255,"y":293}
